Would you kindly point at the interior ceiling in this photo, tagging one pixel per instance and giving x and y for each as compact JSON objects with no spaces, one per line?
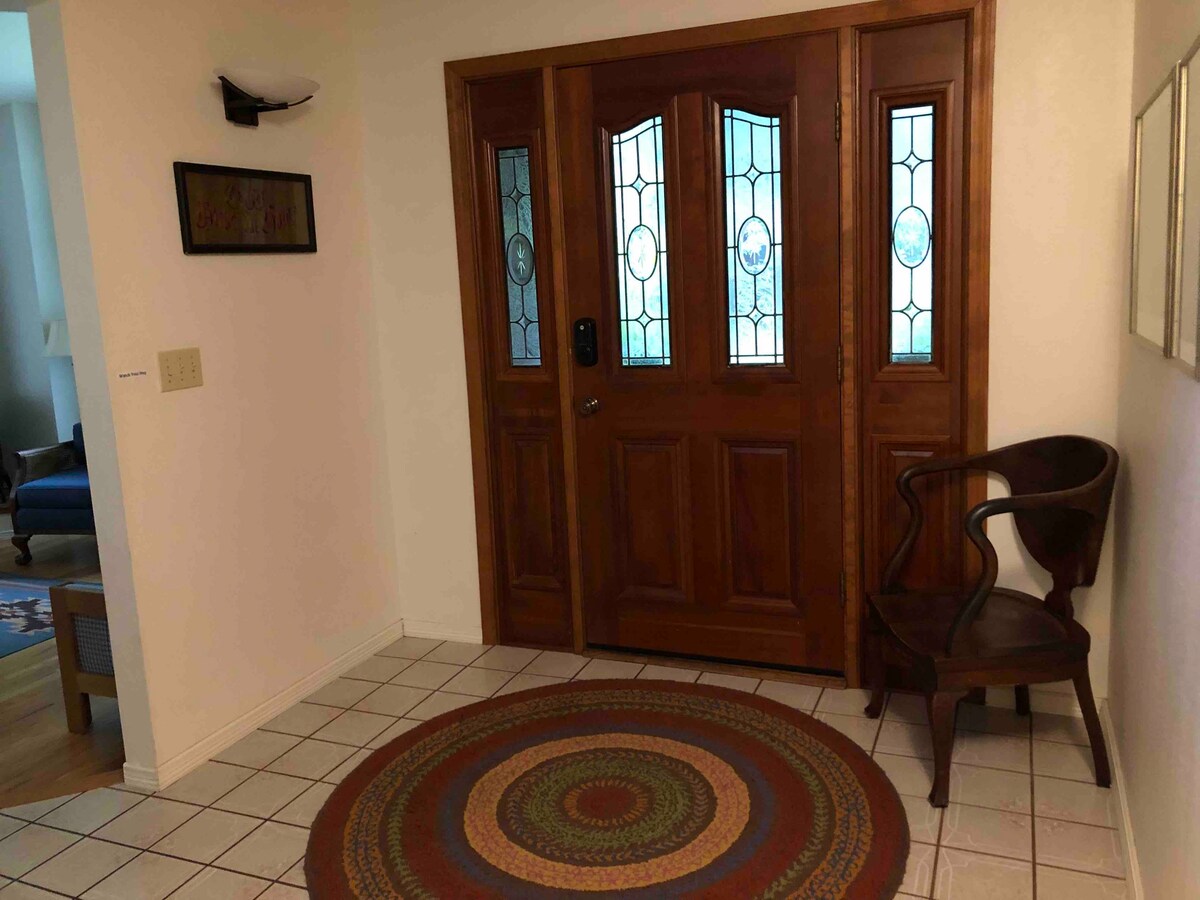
{"x":16,"y":59}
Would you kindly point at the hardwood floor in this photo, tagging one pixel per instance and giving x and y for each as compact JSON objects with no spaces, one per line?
{"x":58,"y":556}
{"x":39,"y":758}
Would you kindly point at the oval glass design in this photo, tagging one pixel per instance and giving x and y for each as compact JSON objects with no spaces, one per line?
{"x":520,"y":259}
{"x":516,"y":236}
{"x":754,"y":245}
{"x":911,"y":154}
{"x":911,"y":237}
{"x":642,"y":253}
{"x":640,"y":243}
{"x":753,"y":238}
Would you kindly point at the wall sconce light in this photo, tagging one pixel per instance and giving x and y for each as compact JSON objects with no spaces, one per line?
{"x":248,"y":92}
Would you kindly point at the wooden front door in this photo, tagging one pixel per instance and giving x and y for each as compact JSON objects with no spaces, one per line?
{"x":701,"y":214}
{"x":789,"y":300}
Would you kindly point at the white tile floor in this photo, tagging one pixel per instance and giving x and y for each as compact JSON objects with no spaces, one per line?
{"x":1025,"y":819}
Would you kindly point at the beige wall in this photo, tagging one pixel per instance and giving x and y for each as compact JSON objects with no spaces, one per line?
{"x":255,"y":544}
{"x":1062,"y":85}
{"x":1156,"y":618}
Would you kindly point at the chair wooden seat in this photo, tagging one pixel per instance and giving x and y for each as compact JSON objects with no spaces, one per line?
{"x":1011,"y":623}
{"x":956,"y":643}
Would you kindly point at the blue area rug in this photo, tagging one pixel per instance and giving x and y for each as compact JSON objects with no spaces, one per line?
{"x":24,"y":613}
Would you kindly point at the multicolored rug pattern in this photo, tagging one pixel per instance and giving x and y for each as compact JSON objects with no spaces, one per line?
{"x":634,"y":788}
{"x":24,"y":614}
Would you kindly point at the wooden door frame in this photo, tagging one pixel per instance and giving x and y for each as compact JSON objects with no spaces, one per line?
{"x":848,"y":22}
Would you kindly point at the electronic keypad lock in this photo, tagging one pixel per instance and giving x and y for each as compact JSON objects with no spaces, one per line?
{"x":584,"y":342}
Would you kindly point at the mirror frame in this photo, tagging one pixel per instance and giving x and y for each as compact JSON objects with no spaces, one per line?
{"x":1174,"y":209}
{"x":1192,"y":57}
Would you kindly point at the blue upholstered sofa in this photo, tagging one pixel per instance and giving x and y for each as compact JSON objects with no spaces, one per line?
{"x":51,"y":494}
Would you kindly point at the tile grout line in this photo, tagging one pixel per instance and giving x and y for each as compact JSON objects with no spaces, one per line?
{"x":262,"y":822}
{"x":80,"y":839}
{"x":1032,"y":811}
{"x":937,"y":847}
{"x":253,"y":830}
{"x":937,"y":853}
{"x":201,"y":808}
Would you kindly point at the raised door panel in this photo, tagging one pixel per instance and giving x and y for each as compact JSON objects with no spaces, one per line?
{"x":653,"y":539}
{"x":531,"y":505}
{"x":936,"y":559}
{"x":759,"y":514}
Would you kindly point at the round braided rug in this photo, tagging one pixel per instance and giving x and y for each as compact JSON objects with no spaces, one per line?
{"x":645,"y":789}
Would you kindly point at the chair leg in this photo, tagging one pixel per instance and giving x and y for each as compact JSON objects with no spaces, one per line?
{"x":875,"y":674}
{"x":976,"y":696}
{"x":79,"y":711}
{"x":942,"y":706}
{"x":1087,"y":704}
{"x":21,"y":542}
{"x":1022,"y":692}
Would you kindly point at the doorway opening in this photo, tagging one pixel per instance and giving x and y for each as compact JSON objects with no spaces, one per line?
{"x":47,"y":524}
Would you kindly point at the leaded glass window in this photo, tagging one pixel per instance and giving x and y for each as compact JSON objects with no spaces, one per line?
{"x":640,"y":219}
{"x":754,"y":238}
{"x":912,"y":234}
{"x":520,"y":276}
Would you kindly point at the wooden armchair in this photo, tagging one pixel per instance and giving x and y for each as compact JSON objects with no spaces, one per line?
{"x":957,"y":642}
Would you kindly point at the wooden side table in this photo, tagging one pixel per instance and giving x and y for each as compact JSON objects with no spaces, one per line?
{"x":84,"y":649}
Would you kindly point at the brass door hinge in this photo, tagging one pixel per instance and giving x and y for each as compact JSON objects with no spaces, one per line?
{"x":842,"y":590}
{"x":837,"y":121}
{"x":841,"y":364}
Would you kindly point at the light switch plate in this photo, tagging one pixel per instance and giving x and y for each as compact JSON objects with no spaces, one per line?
{"x":180,"y":369}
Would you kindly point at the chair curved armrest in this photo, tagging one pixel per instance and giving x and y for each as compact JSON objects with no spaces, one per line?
{"x":973,"y":605}
{"x":891,"y":573}
{"x":42,"y":461}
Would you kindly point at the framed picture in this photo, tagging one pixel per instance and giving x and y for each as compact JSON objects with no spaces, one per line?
{"x":1152,"y":295}
{"x":229,"y":210}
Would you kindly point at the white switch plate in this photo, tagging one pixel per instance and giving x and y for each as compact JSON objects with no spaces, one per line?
{"x":180,"y":369}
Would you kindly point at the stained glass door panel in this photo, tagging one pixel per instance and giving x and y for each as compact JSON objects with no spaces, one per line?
{"x":753,"y":181}
{"x":640,"y":248}
{"x":520,"y":273}
{"x":912,"y":250}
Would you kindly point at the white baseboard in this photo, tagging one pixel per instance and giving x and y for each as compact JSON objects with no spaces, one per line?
{"x":176,"y":767}
{"x":442,"y":632}
{"x":1133,"y":872}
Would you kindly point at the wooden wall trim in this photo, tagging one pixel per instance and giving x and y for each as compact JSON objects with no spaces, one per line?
{"x":979,"y":242}
{"x":851,"y":453}
{"x":462,"y":172}
{"x":566,"y":371}
{"x":702,"y":36}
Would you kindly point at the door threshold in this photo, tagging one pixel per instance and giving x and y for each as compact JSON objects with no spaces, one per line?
{"x":795,"y":675}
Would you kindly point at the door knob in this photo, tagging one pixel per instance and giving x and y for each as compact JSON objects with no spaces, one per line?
{"x":589,"y":406}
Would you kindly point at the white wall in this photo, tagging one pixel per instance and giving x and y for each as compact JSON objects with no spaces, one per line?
{"x":1156,"y":619}
{"x":254,"y":545}
{"x":26,"y":399}
{"x":1062,"y":86}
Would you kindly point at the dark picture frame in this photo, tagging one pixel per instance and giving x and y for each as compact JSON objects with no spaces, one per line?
{"x":224,"y":209}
